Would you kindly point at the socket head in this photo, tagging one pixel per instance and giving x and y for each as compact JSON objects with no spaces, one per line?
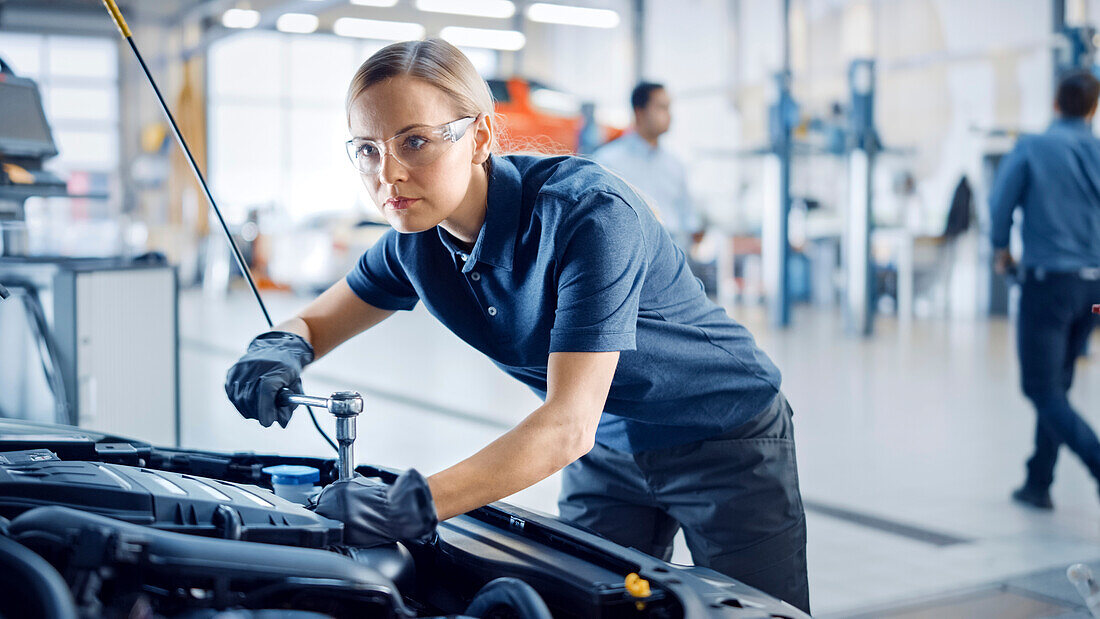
{"x":346,"y":403}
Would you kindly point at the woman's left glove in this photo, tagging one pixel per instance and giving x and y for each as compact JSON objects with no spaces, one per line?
{"x":274,"y":361}
{"x":374,"y":513}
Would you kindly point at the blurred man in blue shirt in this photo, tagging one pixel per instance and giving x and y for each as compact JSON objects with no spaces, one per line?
{"x":657,"y":173}
{"x":1055,"y":178}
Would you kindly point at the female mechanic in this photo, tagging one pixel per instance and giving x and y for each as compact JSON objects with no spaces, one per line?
{"x":660,"y":408}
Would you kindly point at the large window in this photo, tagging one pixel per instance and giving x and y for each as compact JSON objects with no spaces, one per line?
{"x":78,"y":78}
{"x":277,"y":125}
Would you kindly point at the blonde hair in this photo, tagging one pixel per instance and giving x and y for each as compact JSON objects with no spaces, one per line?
{"x":433,"y":60}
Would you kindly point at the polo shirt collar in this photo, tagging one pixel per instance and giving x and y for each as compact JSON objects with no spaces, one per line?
{"x":496,"y":242}
{"x":1073,"y":123}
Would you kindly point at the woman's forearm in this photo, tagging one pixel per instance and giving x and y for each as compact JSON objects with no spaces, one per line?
{"x":296,"y":326}
{"x":321,"y":344}
{"x":333,"y":318}
{"x":538,"y":447}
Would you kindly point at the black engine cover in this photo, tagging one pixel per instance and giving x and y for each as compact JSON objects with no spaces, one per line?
{"x":167,"y":501}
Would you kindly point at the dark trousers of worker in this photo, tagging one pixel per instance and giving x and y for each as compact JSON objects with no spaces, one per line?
{"x":1054,"y":324}
{"x":735,"y":496}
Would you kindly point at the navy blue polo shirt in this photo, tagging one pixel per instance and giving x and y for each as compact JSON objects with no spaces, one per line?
{"x":571,"y":259}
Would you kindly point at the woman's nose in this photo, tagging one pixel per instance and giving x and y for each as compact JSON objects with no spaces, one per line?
{"x":390,"y":170}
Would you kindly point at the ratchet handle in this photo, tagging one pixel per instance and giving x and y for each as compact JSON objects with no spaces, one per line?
{"x":286,"y":397}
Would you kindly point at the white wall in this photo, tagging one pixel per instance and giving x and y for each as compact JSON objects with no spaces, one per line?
{"x":692,"y":49}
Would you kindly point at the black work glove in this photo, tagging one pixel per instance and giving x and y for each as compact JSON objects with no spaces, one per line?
{"x":274,"y":360}
{"x":374,"y":513}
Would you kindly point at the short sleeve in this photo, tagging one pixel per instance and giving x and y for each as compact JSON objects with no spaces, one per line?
{"x":602,"y":267}
{"x":379,"y":278}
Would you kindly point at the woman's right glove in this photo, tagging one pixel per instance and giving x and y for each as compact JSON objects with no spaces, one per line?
{"x":274,"y":360}
{"x":374,"y":513}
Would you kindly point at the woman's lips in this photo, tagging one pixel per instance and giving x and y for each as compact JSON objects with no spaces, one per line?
{"x":400,"y":204}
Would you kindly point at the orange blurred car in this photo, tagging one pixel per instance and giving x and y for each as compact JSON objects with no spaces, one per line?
{"x":539,"y":119}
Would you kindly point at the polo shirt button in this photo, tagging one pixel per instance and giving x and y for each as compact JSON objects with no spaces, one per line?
{"x":492,"y":311}
{"x":463,"y":256}
{"x":475,"y":276}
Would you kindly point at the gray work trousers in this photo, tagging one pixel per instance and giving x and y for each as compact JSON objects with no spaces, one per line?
{"x":735,"y":496}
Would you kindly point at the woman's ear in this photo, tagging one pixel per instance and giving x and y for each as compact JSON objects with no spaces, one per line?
{"x":483,"y":139}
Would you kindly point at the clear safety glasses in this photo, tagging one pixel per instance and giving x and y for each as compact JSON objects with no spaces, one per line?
{"x":413,"y":148}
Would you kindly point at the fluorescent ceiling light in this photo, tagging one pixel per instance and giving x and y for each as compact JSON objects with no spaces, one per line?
{"x":382,"y":3}
{"x":478,"y":8}
{"x":506,"y":40}
{"x":299,"y":23}
{"x":572,"y":15}
{"x":376,"y":29}
{"x":240,"y":18}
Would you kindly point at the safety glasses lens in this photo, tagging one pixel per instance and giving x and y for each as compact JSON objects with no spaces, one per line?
{"x":412,"y":150}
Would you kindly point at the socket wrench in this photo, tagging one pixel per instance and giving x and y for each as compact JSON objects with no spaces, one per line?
{"x":345,"y":406}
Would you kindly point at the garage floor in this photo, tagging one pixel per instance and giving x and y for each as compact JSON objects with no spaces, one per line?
{"x":908,"y":445}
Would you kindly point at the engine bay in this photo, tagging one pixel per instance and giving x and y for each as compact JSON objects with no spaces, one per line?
{"x":99,"y":526}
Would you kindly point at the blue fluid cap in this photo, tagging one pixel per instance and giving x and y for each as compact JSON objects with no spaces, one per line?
{"x":293,"y":474}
